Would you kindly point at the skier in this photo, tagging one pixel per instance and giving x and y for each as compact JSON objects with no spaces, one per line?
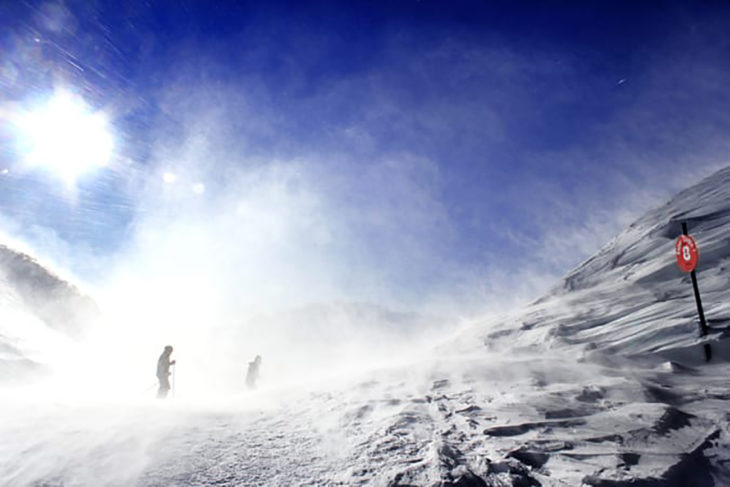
{"x":163,"y":372}
{"x":253,"y":372}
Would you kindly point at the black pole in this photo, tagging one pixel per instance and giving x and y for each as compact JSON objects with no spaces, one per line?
{"x":703,"y":324}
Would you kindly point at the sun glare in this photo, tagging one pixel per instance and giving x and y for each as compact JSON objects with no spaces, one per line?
{"x":65,"y":136}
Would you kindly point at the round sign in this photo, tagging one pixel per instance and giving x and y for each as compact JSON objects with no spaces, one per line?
{"x":686,"y":250}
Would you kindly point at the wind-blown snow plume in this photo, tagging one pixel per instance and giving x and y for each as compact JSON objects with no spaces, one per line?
{"x":600,"y":382}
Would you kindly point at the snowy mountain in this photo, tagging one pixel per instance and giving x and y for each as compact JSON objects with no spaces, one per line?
{"x":601,"y":382}
{"x":35,"y":305}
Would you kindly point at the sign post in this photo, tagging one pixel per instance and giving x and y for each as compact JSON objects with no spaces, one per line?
{"x":687,"y":257}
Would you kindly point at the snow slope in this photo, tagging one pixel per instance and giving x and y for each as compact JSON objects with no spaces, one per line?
{"x":631,"y":298}
{"x":602,"y":382}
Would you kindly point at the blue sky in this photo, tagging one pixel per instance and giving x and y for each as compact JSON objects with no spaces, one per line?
{"x":401,"y":152}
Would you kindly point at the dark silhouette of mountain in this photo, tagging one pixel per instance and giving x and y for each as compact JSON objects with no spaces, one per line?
{"x":57,"y":302}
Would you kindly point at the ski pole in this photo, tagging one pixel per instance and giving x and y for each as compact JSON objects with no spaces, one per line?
{"x":173,"y":380}
{"x":144,"y":392}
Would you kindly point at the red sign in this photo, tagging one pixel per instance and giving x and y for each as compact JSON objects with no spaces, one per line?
{"x":687,"y":255}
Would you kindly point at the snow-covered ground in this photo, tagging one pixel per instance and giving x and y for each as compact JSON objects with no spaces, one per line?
{"x":601,"y":382}
{"x":482,"y":420}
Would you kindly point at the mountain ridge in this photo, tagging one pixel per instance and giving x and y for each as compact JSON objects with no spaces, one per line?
{"x":35,"y":303}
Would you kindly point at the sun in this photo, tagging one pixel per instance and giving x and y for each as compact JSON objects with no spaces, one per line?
{"x":65,"y":136}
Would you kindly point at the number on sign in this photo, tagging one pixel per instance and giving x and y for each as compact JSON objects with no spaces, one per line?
{"x":686,"y":252}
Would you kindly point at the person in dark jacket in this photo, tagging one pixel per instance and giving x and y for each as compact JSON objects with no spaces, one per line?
{"x":163,"y":372}
{"x":253,"y":372}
